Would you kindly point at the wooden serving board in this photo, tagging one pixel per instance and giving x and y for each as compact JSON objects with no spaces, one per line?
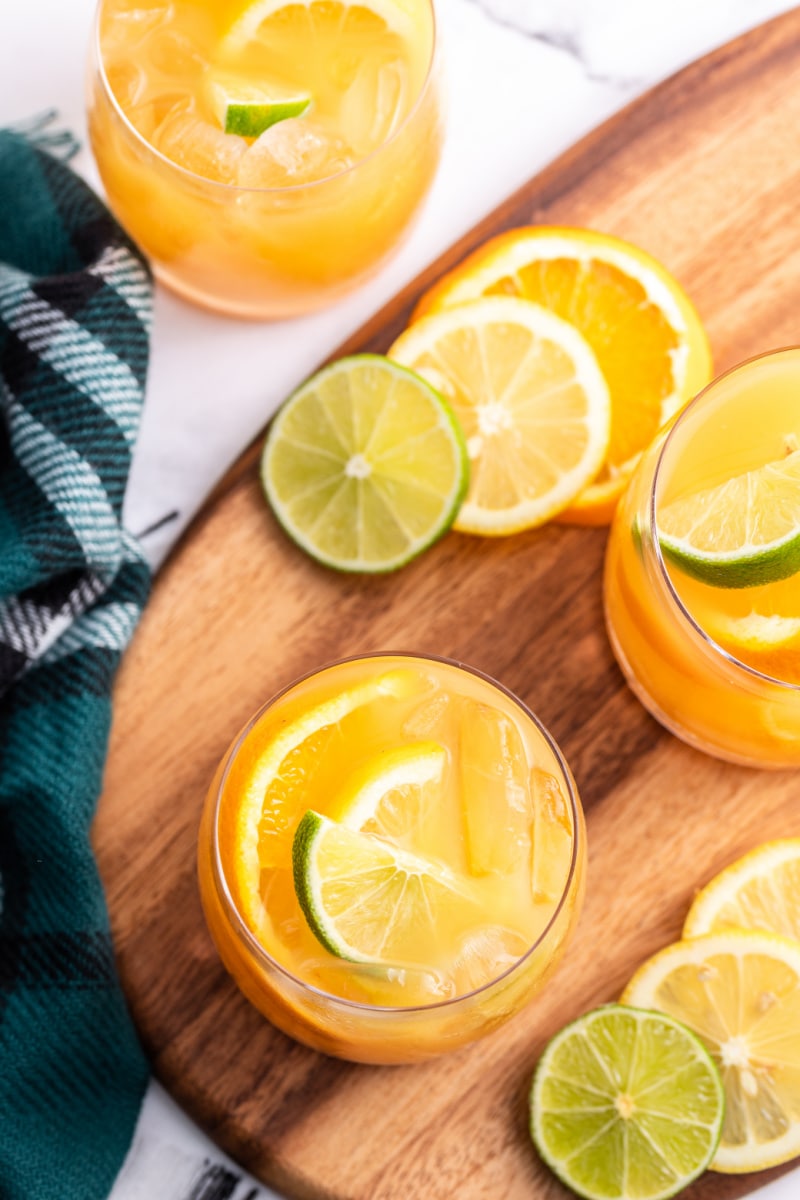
{"x":704,"y":172}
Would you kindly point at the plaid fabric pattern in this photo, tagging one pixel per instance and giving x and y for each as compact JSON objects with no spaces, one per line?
{"x":75,"y":311}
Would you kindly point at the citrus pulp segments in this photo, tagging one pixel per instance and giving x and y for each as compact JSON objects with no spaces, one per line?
{"x":742,"y":533}
{"x":395,"y":15}
{"x":670,"y":372}
{"x":369,"y":901}
{"x":247,"y":862}
{"x":769,"y":643}
{"x":531,"y":400}
{"x":740,"y":992}
{"x":759,"y":891}
{"x":367,"y":798}
{"x":365,"y":465}
{"x":626,"y":1105}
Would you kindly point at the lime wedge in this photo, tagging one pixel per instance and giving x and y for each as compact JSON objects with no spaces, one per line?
{"x":742,"y":533}
{"x":248,"y":111}
{"x":365,"y":465}
{"x":626,"y":1105}
{"x":371,"y":902}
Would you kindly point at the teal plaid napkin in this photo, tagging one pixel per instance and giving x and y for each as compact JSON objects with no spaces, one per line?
{"x":75,"y":310}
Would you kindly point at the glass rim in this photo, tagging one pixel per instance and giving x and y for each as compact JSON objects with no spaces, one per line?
{"x":685,"y":414}
{"x":262,"y":956}
{"x":241,"y":189}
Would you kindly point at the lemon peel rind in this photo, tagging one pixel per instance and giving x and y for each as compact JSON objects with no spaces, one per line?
{"x":691,"y":361}
{"x":751,"y":1157}
{"x":723,"y":887}
{"x":311,"y":830}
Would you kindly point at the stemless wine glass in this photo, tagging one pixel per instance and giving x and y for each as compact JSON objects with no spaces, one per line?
{"x":717,"y":662}
{"x":192,"y":196}
{"x":305,"y":749}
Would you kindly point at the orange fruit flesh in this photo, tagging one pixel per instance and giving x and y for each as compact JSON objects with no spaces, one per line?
{"x":651,"y":367}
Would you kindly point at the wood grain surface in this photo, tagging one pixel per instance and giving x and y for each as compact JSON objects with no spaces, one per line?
{"x":704,"y":172}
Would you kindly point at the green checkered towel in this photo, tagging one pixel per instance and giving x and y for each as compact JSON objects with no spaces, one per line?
{"x":75,"y":310}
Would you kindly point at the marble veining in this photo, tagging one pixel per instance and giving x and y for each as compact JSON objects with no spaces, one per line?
{"x":628,"y":42}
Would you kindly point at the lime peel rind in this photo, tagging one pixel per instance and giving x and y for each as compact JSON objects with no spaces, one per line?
{"x":767,"y":496}
{"x":381,"y":856}
{"x":779,"y":561}
{"x":766,"y":1048}
{"x":251,"y":120}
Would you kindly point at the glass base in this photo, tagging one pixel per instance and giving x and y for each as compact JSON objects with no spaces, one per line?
{"x":248,"y":310}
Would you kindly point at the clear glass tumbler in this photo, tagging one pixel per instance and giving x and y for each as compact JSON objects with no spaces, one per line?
{"x":718,"y":665}
{"x":381,"y":704}
{"x":260,"y":252}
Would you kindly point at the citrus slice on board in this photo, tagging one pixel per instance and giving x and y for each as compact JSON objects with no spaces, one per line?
{"x":371,"y":902}
{"x":365,"y":465}
{"x":645,"y":333}
{"x":759,"y":891}
{"x":740,"y":993}
{"x":530,"y":398}
{"x":626,"y":1105}
{"x":741,"y":533}
{"x":267,"y":805}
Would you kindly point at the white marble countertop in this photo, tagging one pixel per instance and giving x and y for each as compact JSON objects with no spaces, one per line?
{"x":214,"y":382}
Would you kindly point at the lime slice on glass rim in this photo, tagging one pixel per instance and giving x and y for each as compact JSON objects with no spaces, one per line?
{"x":742,"y":533}
{"x":369,"y":901}
{"x":626,"y":1105}
{"x":249,"y":111}
{"x":365,"y":465}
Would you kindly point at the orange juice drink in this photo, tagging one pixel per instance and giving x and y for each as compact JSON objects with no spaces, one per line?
{"x":391,"y":858}
{"x":702,"y":582}
{"x":267,"y":155}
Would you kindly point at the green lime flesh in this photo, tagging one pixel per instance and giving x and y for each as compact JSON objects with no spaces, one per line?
{"x":626,"y":1104}
{"x":742,"y":533}
{"x":365,"y":466}
{"x":366,"y":900}
{"x":250,"y":120}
